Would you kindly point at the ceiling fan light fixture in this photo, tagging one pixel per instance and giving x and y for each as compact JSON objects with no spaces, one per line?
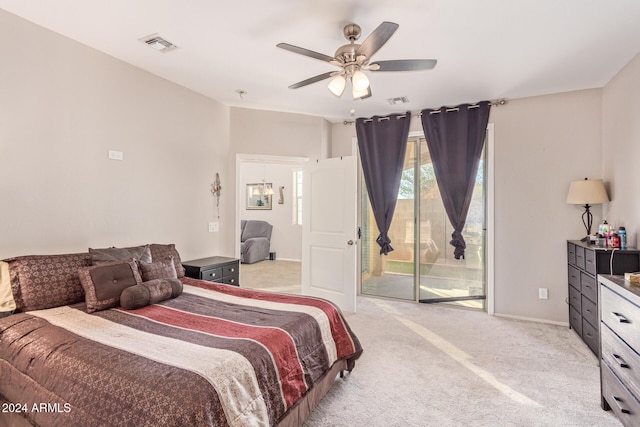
{"x":337,"y":85}
{"x":359,"y":81}
{"x":360,"y":94}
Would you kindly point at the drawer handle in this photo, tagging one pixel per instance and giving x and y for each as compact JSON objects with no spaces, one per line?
{"x":620,"y":361}
{"x":620,"y":317}
{"x":212,"y":274}
{"x":232,"y":270}
{"x":619,"y":405}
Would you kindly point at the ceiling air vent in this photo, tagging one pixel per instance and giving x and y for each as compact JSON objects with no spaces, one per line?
{"x":399,"y":100}
{"x":158,"y":43}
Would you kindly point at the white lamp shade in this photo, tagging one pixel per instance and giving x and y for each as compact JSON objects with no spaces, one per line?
{"x":337,"y":85}
{"x":587,"y":192}
{"x":359,"y":81}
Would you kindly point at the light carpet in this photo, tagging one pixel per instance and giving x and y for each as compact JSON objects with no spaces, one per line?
{"x":428,"y":365}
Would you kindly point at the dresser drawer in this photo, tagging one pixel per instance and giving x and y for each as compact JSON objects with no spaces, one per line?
{"x":575,"y":320}
{"x":575,"y":299}
{"x":590,"y":336}
{"x":622,"y":360}
{"x":622,"y":316}
{"x":212,"y":275}
{"x":589,"y":311}
{"x":588,"y":287}
{"x":623,"y":404}
{"x":574,"y":277}
{"x":571,"y":253}
{"x":590,"y":261}
{"x":580,"y":257}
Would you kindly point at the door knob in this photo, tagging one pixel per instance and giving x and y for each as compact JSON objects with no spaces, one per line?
{"x":350,"y":242}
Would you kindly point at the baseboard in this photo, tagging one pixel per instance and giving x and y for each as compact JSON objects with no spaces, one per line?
{"x":288,"y":259}
{"x":532,"y":319}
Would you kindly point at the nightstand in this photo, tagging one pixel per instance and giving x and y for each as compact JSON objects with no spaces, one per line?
{"x":214,"y":269}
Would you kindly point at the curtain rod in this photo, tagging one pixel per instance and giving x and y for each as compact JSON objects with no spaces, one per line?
{"x":496,"y":103}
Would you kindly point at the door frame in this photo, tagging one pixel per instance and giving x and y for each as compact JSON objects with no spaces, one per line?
{"x":256,"y":158}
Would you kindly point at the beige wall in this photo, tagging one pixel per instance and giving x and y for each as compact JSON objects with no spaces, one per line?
{"x":621,"y":148}
{"x":62,"y":106}
{"x":541,"y":144}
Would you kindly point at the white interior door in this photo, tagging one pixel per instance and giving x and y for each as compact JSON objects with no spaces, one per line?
{"x":329,"y":231}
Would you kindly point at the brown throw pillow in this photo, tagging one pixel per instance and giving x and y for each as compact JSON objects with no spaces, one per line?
{"x":164,"y":253}
{"x":150,"y":292}
{"x":105,"y":255}
{"x":158,"y":270}
{"x":104,"y":283}
{"x":46,"y":281}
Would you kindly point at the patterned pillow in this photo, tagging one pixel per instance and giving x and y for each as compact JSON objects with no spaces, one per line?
{"x":6,"y":295}
{"x":46,"y":281}
{"x":158,"y":270}
{"x":164,"y":253}
{"x":150,"y":292}
{"x":104,"y":283}
{"x":105,"y":255}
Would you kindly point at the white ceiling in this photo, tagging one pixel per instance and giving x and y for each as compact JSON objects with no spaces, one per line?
{"x":487,"y":49}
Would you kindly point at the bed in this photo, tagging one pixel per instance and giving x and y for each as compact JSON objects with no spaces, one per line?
{"x":215,"y":355}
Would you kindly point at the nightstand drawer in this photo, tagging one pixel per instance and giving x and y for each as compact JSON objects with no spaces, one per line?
{"x":622,"y":316}
{"x":231,"y":280}
{"x":622,"y":360}
{"x":212,"y":275}
{"x":229,"y":270}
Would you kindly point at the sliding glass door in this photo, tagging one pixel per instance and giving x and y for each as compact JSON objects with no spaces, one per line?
{"x":422,"y":266}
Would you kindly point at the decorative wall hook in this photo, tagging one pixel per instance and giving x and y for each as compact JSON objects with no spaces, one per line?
{"x":281,"y":201}
{"x":216,"y":189}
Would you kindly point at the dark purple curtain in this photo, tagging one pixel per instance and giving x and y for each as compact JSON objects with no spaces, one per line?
{"x":382,"y":142}
{"x":455,"y":137}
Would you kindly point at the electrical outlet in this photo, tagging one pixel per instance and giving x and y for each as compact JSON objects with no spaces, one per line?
{"x":214,"y":227}
{"x":543,"y":293}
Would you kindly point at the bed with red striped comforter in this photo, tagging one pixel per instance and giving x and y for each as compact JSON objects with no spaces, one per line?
{"x":217,"y":355}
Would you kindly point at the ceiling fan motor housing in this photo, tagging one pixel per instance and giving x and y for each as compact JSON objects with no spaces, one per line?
{"x":352,"y":32}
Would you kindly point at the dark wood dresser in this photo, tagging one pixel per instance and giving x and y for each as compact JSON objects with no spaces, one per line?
{"x":214,"y":269}
{"x":585,"y":262}
{"x":620,"y":345}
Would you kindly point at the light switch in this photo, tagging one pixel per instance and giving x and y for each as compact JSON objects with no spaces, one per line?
{"x":116,"y":155}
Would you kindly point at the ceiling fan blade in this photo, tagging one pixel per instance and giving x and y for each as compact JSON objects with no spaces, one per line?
{"x":404,"y":65}
{"x":312,"y":80}
{"x":377,"y":39}
{"x":305,"y":52}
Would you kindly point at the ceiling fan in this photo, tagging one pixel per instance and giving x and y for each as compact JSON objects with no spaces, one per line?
{"x":354,"y":58}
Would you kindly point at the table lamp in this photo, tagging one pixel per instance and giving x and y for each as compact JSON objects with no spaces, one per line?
{"x":587,"y":192}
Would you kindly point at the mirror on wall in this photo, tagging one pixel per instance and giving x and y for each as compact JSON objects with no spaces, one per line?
{"x":259,"y":195}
